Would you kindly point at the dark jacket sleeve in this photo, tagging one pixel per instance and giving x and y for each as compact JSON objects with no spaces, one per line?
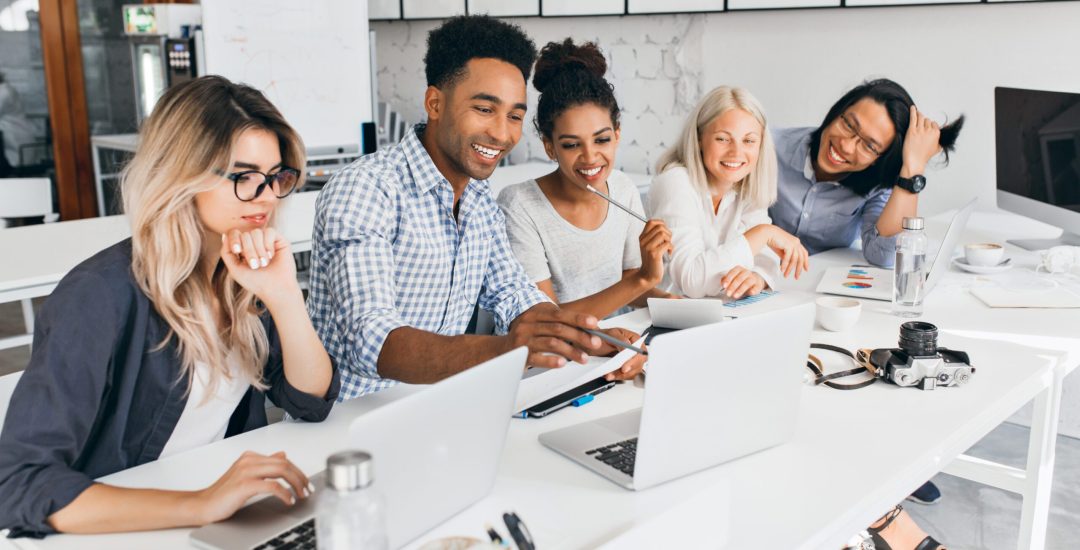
{"x":297,"y":403}
{"x":55,"y":404}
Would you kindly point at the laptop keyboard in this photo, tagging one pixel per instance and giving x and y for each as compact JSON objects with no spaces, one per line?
{"x":617,"y":455}
{"x":301,"y":537}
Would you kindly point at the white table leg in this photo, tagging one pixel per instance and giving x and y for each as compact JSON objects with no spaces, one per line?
{"x":99,"y":186}
{"x":1042,"y":444}
{"x":28,"y":315}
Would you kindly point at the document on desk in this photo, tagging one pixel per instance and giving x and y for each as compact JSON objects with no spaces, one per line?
{"x":1057,"y":297}
{"x":539,"y":385}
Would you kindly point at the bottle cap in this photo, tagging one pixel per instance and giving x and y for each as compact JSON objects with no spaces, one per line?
{"x":915,"y":223}
{"x":349,"y":470}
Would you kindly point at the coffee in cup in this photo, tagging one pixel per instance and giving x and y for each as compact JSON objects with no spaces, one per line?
{"x":984,"y":254}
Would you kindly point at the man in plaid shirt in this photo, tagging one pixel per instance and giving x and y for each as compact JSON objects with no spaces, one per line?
{"x":409,"y":240}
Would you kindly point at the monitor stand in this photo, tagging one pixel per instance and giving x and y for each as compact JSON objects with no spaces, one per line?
{"x":1066,"y":239}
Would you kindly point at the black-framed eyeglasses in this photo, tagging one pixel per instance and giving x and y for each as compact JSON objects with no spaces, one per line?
{"x":248,"y":185}
{"x":851,"y":130}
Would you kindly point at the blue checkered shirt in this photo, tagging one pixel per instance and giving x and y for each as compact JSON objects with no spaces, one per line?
{"x":387,"y":252}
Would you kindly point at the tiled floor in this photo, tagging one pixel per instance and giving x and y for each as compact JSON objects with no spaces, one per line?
{"x":969,"y":516}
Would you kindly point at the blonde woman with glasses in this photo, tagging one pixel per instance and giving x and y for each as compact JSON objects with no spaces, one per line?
{"x":173,"y":338}
{"x":713,"y":190}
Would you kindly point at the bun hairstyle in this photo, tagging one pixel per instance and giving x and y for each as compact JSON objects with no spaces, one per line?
{"x":897,"y":103}
{"x":568,"y":75}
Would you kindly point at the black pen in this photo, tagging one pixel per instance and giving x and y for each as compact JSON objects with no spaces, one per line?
{"x":518,"y":531}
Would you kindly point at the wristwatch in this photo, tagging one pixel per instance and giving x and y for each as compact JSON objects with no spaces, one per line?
{"x":914,"y":184}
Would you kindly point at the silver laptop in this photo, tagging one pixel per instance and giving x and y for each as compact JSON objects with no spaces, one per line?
{"x":714,"y":393}
{"x":433,"y":458}
{"x":876,"y":283}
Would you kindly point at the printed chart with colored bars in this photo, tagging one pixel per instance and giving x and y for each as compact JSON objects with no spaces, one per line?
{"x":859,"y":278}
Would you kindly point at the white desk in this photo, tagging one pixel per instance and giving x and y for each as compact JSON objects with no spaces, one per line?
{"x":854,"y":455}
{"x":36,"y":257}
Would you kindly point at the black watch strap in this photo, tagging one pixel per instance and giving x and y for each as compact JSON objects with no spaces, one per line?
{"x":914,"y":184}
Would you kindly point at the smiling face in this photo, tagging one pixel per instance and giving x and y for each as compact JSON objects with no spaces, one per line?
{"x":730,"y":146}
{"x":219,"y":210}
{"x":855,"y":139}
{"x":477,"y":120}
{"x":583,"y":141}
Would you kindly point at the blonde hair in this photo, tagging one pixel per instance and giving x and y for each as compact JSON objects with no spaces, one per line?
{"x":184,"y":147}
{"x":758,"y":188}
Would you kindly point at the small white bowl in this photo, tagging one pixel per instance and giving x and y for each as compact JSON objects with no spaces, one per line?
{"x":838,"y":314}
{"x":984,"y":254}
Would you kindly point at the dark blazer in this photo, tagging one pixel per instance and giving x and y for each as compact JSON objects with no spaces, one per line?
{"x":99,"y":397}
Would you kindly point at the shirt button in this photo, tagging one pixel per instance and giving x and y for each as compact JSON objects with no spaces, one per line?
{"x":813,"y":189}
{"x":805,"y":215}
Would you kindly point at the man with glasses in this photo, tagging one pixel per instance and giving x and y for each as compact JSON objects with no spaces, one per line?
{"x":859,"y":174}
{"x":409,"y":241}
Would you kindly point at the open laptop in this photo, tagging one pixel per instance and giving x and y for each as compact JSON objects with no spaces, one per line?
{"x":714,"y":393}
{"x":433,"y":457}
{"x":876,"y":283}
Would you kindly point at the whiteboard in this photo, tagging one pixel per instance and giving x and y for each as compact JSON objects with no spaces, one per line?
{"x":310,"y":58}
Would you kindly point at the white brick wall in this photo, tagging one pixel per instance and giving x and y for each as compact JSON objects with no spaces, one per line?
{"x":654,"y":62}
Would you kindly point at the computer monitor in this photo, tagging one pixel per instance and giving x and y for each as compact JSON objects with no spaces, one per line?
{"x":1038,"y":160}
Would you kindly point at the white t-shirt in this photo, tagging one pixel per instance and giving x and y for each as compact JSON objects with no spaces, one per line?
{"x":707,"y":244}
{"x":203,"y":423}
{"x":578,"y":261}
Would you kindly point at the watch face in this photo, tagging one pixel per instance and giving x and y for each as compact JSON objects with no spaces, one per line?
{"x":917,"y":183}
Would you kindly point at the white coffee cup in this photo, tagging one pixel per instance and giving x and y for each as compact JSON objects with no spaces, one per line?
{"x":838,"y":314}
{"x":984,"y":254}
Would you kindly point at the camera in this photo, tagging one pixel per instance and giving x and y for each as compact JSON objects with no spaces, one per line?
{"x":919,"y":362}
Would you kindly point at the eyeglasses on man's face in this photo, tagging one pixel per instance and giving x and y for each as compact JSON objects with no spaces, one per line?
{"x":863,"y":146}
{"x":249,"y":184}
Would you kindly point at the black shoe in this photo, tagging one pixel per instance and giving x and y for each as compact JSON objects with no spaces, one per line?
{"x":927,"y":494}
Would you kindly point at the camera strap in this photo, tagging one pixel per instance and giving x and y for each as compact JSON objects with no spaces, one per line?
{"x":862,"y":362}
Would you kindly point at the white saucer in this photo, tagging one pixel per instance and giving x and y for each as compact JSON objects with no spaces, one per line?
{"x":1005,"y":265}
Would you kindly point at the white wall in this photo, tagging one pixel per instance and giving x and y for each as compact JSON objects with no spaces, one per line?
{"x":949,"y":58}
{"x":654,"y":63}
{"x":798,"y":63}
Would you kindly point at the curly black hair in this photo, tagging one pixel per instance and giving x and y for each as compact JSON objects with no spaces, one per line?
{"x":897,"y":103}
{"x":568,"y":75}
{"x":466,"y":37}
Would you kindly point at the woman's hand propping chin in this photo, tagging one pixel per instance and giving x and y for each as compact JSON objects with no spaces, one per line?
{"x":259,"y":260}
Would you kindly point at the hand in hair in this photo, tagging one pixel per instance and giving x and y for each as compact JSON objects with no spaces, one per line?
{"x":260,"y":261}
{"x":740,"y":281}
{"x":921,"y":143}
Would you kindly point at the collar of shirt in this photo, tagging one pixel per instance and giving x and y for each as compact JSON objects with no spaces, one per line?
{"x":800,"y":154}
{"x":426,"y":176}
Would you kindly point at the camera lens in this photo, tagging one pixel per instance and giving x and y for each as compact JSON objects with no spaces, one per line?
{"x":918,"y":339}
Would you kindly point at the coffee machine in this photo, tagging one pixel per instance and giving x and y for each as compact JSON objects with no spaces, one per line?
{"x":164,"y":48}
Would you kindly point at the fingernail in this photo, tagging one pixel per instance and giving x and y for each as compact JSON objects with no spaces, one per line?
{"x":562,"y":362}
{"x":236,"y":249}
{"x":264,"y":262}
{"x":254,"y":263}
{"x":310,"y":488}
{"x":222,"y":237}
{"x":292,"y":500}
{"x":595,"y":342}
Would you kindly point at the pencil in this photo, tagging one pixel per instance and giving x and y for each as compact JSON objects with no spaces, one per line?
{"x":616,"y":342}
{"x":617,"y":203}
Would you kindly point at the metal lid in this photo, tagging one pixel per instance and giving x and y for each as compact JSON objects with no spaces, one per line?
{"x":913,"y":223}
{"x":349,"y":470}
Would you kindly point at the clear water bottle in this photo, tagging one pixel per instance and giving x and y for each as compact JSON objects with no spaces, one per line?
{"x":909,"y":272}
{"x":350,"y":513}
